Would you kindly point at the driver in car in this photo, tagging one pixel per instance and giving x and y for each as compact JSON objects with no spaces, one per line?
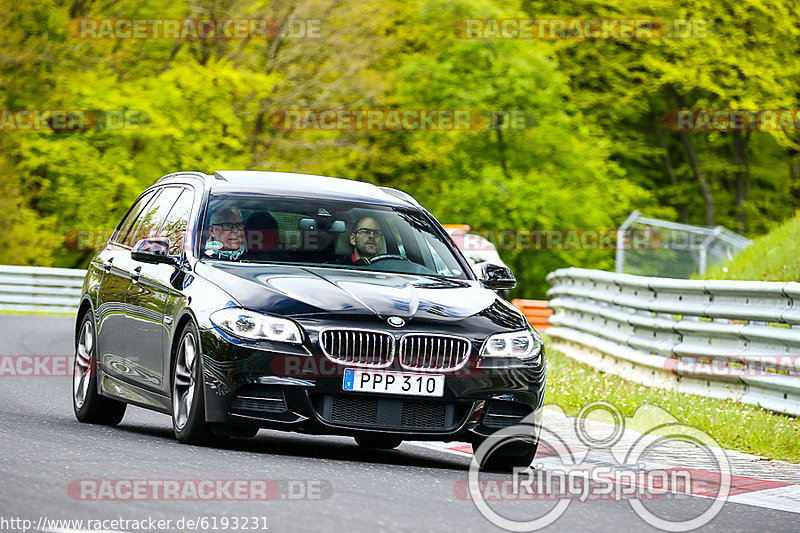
{"x":366,"y":239}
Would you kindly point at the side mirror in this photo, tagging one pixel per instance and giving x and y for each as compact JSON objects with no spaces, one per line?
{"x":154,"y":250}
{"x":496,"y":277}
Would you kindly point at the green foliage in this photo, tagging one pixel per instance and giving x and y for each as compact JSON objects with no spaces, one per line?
{"x":745,"y":59}
{"x":548,"y":176}
{"x":26,"y":237}
{"x":590,"y":155}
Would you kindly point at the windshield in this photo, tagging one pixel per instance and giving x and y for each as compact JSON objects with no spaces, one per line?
{"x":267,"y":229}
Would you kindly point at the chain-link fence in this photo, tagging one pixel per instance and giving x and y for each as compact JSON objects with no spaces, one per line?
{"x":652,"y":247}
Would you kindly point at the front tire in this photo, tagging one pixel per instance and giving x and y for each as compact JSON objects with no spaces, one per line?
{"x":188,"y":413}
{"x":516,"y":454}
{"x":238,"y":432}
{"x":378,"y":443}
{"x":89,"y":406}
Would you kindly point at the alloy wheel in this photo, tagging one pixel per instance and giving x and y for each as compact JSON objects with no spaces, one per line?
{"x":184,"y":381}
{"x":82,"y":370}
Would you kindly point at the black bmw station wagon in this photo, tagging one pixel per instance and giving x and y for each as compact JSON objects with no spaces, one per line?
{"x":246,"y":300}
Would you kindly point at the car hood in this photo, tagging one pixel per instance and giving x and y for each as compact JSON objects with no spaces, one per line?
{"x":295,"y":290}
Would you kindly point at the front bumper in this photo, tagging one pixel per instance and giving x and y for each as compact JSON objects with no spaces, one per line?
{"x":296,"y":388}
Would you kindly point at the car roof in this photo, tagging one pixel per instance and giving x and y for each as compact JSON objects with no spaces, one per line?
{"x":289,"y":184}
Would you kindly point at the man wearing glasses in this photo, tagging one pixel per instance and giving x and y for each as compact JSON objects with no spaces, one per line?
{"x":366,"y":238}
{"x":226,"y":239}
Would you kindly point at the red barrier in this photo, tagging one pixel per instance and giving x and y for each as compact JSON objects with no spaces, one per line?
{"x":536,"y":311}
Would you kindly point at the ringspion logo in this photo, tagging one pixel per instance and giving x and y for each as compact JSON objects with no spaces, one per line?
{"x":565,"y":471}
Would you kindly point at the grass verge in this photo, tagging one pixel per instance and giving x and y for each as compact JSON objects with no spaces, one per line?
{"x":772,"y":257}
{"x":38,"y":313}
{"x":735,"y":426}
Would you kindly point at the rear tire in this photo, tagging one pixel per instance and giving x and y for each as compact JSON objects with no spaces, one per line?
{"x":188,"y":404}
{"x":378,"y":443}
{"x":89,"y":406}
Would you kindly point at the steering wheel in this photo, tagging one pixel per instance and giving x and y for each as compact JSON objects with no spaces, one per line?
{"x":377,"y":258}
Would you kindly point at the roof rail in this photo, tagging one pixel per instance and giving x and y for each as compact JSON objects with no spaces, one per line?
{"x":401,"y":195}
{"x":193,"y":173}
{"x":218,"y":176}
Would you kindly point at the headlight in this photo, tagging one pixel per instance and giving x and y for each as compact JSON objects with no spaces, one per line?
{"x":256,"y":326}
{"x":519,"y":344}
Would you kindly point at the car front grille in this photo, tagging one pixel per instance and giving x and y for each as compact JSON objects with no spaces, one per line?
{"x":418,"y":414}
{"x":389,"y":413}
{"x":254,"y":400}
{"x":356,"y":411}
{"x":358,"y":347}
{"x":433,"y":352}
{"x":503,"y":414}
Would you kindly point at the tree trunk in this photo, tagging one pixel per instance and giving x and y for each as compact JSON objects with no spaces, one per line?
{"x":502,"y":156}
{"x":742,"y":176}
{"x":668,"y":166}
{"x":794,"y":176}
{"x":705,"y":189}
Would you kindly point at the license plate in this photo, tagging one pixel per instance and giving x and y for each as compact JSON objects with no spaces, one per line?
{"x":358,"y":380}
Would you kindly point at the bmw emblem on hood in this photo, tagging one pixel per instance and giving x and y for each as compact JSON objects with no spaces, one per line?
{"x":396,"y":321}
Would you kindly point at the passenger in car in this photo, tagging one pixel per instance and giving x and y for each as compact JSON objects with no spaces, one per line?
{"x":226,"y":235}
{"x":261,"y":237}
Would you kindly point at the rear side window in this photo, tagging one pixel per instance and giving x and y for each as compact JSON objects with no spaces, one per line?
{"x":157,"y":211}
{"x":130,"y":220}
{"x":174,"y":227}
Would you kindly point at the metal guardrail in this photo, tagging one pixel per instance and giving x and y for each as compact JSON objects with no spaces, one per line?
{"x":40,"y":289}
{"x":722,"y":339}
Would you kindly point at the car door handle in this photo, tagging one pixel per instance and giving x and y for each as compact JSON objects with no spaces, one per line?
{"x":135,"y":275}
{"x":107,"y":265}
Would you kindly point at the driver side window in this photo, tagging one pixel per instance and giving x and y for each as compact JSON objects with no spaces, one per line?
{"x":174,"y":227}
{"x":131,"y":219}
{"x":156,"y":213}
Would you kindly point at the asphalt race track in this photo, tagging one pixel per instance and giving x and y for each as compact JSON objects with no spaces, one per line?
{"x":55,"y":468}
